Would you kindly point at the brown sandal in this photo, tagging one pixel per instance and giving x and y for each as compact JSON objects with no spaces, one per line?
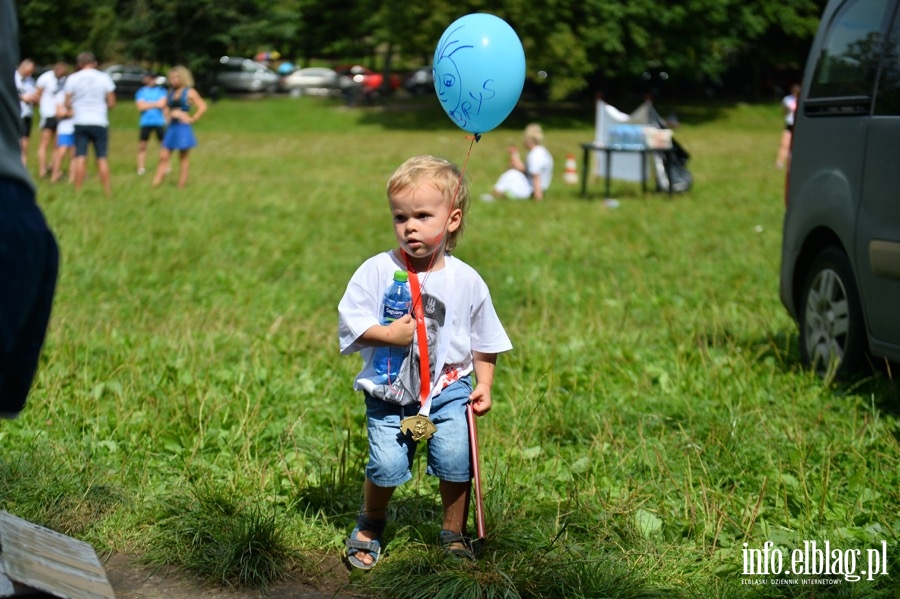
{"x":456,"y":545}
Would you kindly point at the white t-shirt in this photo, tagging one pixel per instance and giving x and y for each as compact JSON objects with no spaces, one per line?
{"x":64,"y":126}
{"x":24,"y":85}
{"x":459,"y":318}
{"x":540,"y":162}
{"x":88,"y":88}
{"x":789,"y":102}
{"x":48,"y":83}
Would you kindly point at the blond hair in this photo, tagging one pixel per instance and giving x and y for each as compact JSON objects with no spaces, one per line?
{"x":534,"y":133}
{"x":444,"y":176}
{"x":184,"y":75}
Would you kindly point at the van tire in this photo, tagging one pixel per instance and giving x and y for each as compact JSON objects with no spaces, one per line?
{"x":832,"y":328}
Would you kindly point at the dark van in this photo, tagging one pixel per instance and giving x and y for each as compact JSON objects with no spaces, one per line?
{"x":840,"y":261}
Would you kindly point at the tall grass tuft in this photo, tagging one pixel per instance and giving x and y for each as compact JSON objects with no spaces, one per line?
{"x":221,"y":537}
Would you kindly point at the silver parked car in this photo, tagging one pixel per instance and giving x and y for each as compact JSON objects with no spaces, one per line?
{"x":313,"y":81}
{"x":840,"y":267}
{"x":244,"y":75}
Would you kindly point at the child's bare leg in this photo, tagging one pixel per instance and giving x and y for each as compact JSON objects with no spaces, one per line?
{"x":375,"y":504}
{"x":455,"y":497}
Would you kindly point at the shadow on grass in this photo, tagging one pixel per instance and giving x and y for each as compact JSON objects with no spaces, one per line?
{"x":534,"y":572}
{"x":876,"y":380}
{"x":426,"y":114}
{"x":535,"y":565}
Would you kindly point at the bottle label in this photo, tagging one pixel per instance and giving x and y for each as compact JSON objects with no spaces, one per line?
{"x":392,"y":313}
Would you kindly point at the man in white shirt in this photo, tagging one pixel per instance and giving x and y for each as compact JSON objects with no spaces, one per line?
{"x":28,"y":96}
{"x":47,"y":86}
{"x":90,"y":94}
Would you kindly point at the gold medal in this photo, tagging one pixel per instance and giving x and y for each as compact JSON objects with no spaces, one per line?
{"x":418,"y":427}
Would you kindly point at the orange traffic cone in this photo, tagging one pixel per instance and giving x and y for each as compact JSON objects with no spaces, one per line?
{"x":571,"y":174}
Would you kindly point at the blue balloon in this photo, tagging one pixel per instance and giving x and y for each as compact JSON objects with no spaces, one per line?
{"x":479,"y":71}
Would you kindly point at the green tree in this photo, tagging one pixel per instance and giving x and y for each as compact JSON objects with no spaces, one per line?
{"x":574,"y":41}
{"x":50,"y":30}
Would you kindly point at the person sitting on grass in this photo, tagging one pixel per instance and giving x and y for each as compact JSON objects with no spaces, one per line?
{"x":529,"y":179}
{"x":428,"y":201}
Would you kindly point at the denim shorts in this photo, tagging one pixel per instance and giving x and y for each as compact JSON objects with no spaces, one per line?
{"x":91,"y":134}
{"x":391,"y":452}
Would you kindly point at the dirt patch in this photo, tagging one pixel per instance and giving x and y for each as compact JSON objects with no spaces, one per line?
{"x":131,"y":580}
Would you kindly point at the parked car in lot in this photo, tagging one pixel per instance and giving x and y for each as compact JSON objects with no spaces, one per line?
{"x":243,"y":75}
{"x":420,"y":81}
{"x":314,"y":81}
{"x":129,"y":78}
{"x":840,"y":259}
{"x":370,"y":82}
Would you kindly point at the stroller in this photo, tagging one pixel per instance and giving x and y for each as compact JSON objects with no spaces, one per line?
{"x":628,"y":168}
{"x":678,"y":172}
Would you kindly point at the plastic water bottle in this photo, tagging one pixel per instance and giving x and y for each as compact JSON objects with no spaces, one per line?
{"x":397,"y":302}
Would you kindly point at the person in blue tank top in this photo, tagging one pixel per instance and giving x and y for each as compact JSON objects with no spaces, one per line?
{"x":150,"y":101}
{"x":181,"y":100}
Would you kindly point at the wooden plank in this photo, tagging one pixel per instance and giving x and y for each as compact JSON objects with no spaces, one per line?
{"x":6,"y":585}
{"x":9,"y":588}
{"x":49,"y":561}
{"x":71,"y":584}
{"x":76,"y":556}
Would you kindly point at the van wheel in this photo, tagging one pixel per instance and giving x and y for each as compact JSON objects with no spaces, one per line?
{"x":832,"y":330}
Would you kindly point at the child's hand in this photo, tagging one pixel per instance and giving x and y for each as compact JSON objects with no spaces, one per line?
{"x":400,"y":332}
{"x":480,"y":397}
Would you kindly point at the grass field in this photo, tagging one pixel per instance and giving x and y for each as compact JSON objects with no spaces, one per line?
{"x":652,"y":427}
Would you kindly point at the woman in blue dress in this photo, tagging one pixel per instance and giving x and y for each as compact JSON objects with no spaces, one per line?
{"x":180,"y":101}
